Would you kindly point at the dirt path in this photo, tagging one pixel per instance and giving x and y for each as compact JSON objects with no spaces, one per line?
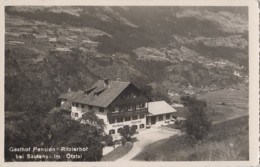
{"x":147,"y":137}
{"x":230,"y":118}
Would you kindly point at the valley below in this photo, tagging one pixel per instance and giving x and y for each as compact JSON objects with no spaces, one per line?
{"x":49,"y":50}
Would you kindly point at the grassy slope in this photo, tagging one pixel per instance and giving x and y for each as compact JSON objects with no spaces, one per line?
{"x":223,"y":105}
{"x":226,"y":104}
{"x":227,"y":141}
{"x":118,"y":152}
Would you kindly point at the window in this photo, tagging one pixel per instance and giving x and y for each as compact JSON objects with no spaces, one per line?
{"x":134,"y":117}
{"x":112,"y":131}
{"x":76,"y":115}
{"x":119,"y":129}
{"x":141,"y":116}
{"x":77,"y":104}
{"x":141,"y":105}
{"x":101,"y":109}
{"x":168,"y":116}
{"x":134,"y":127}
{"x":113,"y":109}
{"x":127,"y":118}
{"x":130,"y":107}
{"x":128,"y":96}
{"x":119,"y":119}
{"x":160,"y":117}
{"x":82,"y":106}
{"x":141,"y":126}
{"x":112,"y":120}
{"x":126,"y":126}
{"x":73,"y":104}
{"x":137,"y":105}
{"x":90,"y":107}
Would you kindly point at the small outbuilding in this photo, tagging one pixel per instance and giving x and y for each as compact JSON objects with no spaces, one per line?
{"x":160,"y":113}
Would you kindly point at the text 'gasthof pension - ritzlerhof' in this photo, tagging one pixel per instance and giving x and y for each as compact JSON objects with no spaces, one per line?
{"x":47,"y":153}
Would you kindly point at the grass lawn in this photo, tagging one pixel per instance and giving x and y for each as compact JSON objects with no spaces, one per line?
{"x":118,"y":152}
{"x":222,"y":105}
{"x":226,"y":104}
{"x":227,"y":141}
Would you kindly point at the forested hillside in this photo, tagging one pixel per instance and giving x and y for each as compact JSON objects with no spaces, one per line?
{"x":169,"y":49}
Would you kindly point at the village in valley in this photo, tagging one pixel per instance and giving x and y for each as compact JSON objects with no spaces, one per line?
{"x":124,"y":94}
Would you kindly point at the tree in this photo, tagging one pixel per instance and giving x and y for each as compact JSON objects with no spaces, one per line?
{"x":108,"y":139}
{"x":197,"y":123}
{"x":55,"y":130}
{"x":126,"y":132}
{"x":88,"y":132}
{"x":191,"y":101}
{"x":24,"y":130}
{"x":91,"y":119}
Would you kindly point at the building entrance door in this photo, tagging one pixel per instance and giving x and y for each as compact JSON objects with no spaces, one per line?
{"x":153,"y":120}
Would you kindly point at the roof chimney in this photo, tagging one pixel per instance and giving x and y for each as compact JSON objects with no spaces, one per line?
{"x":69,"y":90}
{"x":106,"y":82}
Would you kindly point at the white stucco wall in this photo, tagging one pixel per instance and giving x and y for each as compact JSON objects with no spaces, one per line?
{"x":130,"y":123}
{"x":75,"y":110}
{"x":162,"y":122}
{"x":103,"y":115}
{"x":79,"y":110}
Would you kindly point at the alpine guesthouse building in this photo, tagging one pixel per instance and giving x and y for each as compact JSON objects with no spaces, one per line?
{"x":119,"y":104}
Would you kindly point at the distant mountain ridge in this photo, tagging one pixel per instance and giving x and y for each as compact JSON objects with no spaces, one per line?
{"x":172,"y":48}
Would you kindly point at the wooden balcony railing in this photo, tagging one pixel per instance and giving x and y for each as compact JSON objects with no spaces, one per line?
{"x":128,"y":113}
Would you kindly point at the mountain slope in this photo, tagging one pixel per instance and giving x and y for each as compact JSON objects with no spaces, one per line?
{"x":175,"y":49}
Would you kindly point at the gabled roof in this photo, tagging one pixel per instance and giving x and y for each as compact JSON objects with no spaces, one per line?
{"x":67,"y":105}
{"x":101,"y":95}
{"x":67,"y":95}
{"x":159,"y":107}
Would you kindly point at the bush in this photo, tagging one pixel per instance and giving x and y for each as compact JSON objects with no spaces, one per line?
{"x":191,"y":101}
{"x":197,"y":123}
{"x":179,"y":124}
{"x":126,"y":132}
{"x":109,"y":140}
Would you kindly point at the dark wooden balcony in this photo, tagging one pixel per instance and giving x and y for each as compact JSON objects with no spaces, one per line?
{"x":128,"y":113}
{"x":123,"y":101}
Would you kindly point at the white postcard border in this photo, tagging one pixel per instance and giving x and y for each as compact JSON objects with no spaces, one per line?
{"x":253,"y":75}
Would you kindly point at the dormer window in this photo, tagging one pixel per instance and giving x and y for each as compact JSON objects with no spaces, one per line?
{"x":89,"y":90}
